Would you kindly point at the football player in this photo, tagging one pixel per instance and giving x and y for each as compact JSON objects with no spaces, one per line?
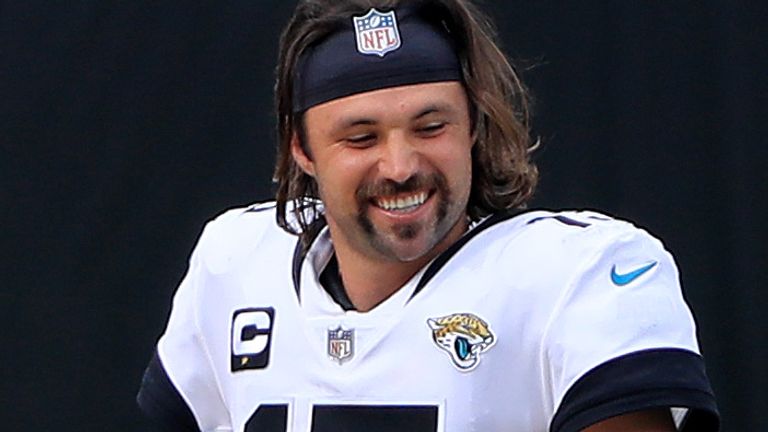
{"x":396,"y":284}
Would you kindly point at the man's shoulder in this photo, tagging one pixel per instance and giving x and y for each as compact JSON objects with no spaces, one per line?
{"x":244,"y":222}
{"x":568,"y":227}
{"x":569,"y":238}
{"x":238,"y":232}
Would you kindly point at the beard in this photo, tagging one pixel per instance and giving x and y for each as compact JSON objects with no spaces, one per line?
{"x":434,"y":229}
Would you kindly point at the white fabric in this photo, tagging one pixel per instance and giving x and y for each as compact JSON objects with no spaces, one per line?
{"x":544,"y":289}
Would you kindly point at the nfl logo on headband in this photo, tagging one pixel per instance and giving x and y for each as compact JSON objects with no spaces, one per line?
{"x":376,"y":33}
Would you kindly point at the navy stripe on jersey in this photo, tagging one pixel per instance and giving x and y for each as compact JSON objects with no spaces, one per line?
{"x":303,"y":245}
{"x":564,"y":220}
{"x":639,"y":381}
{"x":258,"y":208}
{"x":298,"y":259}
{"x":162,"y":403}
{"x":330,"y":279}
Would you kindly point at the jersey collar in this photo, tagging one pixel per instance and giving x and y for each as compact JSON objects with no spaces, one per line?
{"x":320,"y":253}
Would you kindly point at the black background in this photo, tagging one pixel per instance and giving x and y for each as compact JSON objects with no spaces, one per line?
{"x":126,"y":125}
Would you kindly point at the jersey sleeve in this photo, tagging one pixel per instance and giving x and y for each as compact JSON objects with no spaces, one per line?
{"x":179,"y":391}
{"x":622,"y":339}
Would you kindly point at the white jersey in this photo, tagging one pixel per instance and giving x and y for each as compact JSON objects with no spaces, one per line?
{"x":541,"y":321}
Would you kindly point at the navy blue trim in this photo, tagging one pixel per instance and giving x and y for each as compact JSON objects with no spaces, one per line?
{"x":640,"y":381}
{"x":600,"y":218}
{"x":298,"y":259}
{"x":444,"y":257}
{"x":161,"y":402}
{"x":258,"y":208}
{"x":562,"y":219}
{"x":300,"y":251}
{"x":330,"y":279}
{"x":336,"y":288}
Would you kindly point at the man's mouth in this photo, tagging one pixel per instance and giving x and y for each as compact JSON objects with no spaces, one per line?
{"x":401,"y":203}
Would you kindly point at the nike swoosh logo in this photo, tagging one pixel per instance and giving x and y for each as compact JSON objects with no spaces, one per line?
{"x":626,"y":278}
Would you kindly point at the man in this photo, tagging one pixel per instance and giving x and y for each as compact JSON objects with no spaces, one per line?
{"x":395,"y":284}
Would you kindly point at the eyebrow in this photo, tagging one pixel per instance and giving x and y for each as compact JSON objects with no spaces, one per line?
{"x":346,"y":123}
{"x":434,"y":108}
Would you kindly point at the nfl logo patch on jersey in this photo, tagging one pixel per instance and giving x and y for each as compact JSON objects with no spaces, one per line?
{"x":377,"y":33}
{"x":341,"y":344}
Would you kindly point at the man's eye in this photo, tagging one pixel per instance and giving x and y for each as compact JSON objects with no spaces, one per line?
{"x":432,"y":128}
{"x":361,"y":139}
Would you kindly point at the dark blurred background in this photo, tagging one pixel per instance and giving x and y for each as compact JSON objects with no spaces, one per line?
{"x":124,"y":126}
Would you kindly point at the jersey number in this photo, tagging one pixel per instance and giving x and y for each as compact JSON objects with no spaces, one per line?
{"x":333,"y":418}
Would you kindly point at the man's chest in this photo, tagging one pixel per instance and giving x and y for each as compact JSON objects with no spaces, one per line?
{"x":450,"y":359}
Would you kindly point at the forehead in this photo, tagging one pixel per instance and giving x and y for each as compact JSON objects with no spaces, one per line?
{"x":392,"y":102}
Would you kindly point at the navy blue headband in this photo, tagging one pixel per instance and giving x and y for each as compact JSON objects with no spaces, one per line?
{"x":374,"y":51}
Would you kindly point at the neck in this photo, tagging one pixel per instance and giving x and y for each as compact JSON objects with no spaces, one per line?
{"x":366,"y":289}
{"x":370,"y":279}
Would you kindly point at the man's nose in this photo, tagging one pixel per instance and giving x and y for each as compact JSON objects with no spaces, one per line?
{"x":399,"y":160}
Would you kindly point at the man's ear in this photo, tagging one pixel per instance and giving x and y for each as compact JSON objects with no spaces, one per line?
{"x":300,"y":156}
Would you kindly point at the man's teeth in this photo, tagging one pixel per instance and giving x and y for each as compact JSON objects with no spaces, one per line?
{"x":402,"y":203}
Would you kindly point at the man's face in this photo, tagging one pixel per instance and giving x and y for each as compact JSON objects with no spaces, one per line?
{"x":394,"y":168}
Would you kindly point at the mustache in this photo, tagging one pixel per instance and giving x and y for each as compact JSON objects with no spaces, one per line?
{"x":390,"y":187}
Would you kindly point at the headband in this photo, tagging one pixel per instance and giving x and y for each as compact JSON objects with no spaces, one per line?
{"x":374,"y":51}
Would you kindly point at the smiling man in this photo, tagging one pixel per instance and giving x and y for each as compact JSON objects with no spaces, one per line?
{"x":394,"y":172}
{"x":396,"y":284}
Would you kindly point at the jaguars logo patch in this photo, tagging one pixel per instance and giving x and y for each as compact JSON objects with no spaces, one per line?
{"x":463,"y":336}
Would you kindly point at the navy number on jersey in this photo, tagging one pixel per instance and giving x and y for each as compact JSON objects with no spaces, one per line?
{"x":333,"y":418}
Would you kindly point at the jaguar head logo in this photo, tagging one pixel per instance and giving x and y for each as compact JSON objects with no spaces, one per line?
{"x":463,"y":336}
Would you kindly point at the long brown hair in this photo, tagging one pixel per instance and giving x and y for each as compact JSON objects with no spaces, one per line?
{"x":502,"y":174}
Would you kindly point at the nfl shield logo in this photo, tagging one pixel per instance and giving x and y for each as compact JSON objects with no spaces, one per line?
{"x":341,"y":344}
{"x":377,"y":33}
